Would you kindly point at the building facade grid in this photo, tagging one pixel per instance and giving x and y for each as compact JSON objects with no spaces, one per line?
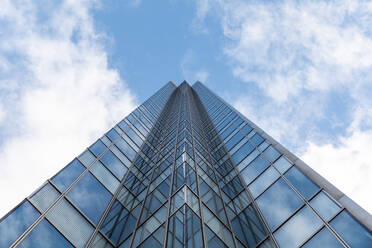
{"x":185,"y":169}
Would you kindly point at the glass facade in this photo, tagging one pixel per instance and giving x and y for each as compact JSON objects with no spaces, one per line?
{"x":184,"y":169}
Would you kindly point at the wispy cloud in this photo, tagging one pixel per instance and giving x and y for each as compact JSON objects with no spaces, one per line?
{"x":57,"y":92}
{"x":312,"y":62}
{"x":189,"y":68}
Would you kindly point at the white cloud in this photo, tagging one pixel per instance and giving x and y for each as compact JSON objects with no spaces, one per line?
{"x":311,"y":62}
{"x":347,"y":165}
{"x":57,"y":91}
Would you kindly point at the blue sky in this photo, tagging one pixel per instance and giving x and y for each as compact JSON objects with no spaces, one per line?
{"x":71,"y":69}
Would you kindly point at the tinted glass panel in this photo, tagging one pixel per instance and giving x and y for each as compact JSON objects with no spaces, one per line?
{"x":242,"y":152}
{"x":112,"y":134}
{"x":105,"y":177}
{"x":326,"y":207}
{"x":263,"y":181}
{"x":278,"y":203}
{"x":44,"y":235}
{"x":282,"y":164}
{"x":64,"y":178}
{"x":301,"y":182}
{"x":256,"y":139}
{"x":70,"y":223}
{"x":114,"y":164}
{"x":254,"y":169}
{"x":44,"y":197}
{"x":126,"y":149}
{"x":235,"y":139}
{"x":16,"y":223}
{"x":90,"y":196}
{"x":298,"y":228}
{"x":271,"y":153}
{"x":100,"y":242}
{"x":248,"y":159}
{"x":87,"y":158}
{"x":134,"y":137}
{"x":351,"y":230}
{"x":98,"y":148}
{"x":324,"y":239}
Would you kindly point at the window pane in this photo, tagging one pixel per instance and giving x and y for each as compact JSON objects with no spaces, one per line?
{"x":44,"y":235}
{"x":44,"y":197}
{"x":112,"y":134}
{"x":126,"y":149}
{"x":16,"y":223}
{"x":268,"y":243}
{"x":263,"y":181}
{"x":114,"y":164}
{"x":254,"y":169}
{"x":282,"y":164}
{"x":298,"y":228}
{"x":235,"y":139}
{"x":326,"y":207}
{"x":256,"y":139}
{"x":263,"y":146}
{"x":87,"y":158}
{"x":98,"y":148}
{"x":90,"y":197}
{"x":242,"y":152}
{"x":248,"y":227}
{"x":121,"y":156}
{"x":105,"y":177}
{"x":70,"y":223}
{"x":351,"y":230}
{"x":133,"y":135}
{"x":324,"y":239}
{"x":212,"y":239}
{"x":248,"y":159}
{"x":278,"y":203}
{"x":271,"y":153}
{"x":301,"y":182}
{"x":100,"y":242}
{"x":217,"y":227}
{"x":65,"y":177}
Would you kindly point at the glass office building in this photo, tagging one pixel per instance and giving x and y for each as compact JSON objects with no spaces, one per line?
{"x":185,"y":169}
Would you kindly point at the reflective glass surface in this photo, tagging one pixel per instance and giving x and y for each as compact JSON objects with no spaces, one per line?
{"x":16,"y":223}
{"x":254,"y":169}
{"x":86,"y":158}
{"x":65,"y":177}
{"x":263,"y":181}
{"x":298,"y":228}
{"x":72,"y":224}
{"x":44,"y":197}
{"x":98,"y":148}
{"x":278,"y":203}
{"x":105,"y":177}
{"x":90,"y":196}
{"x":326,"y":207}
{"x":301,"y":182}
{"x":126,"y":148}
{"x":325,"y":239}
{"x":44,"y":235}
{"x":114,"y":164}
{"x":282,"y":164}
{"x":100,"y":242}
{"x":200,"y":176}
{"x":242,"y":152}
{"x":351,"y":230}
{"x":271,"y":153}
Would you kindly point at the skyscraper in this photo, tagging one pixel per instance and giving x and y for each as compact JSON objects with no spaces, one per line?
{"x":185,"y":169}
